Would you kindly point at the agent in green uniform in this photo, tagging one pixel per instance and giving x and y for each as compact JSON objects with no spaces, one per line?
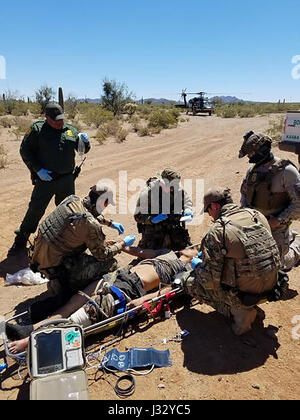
{"x":48,"y":150}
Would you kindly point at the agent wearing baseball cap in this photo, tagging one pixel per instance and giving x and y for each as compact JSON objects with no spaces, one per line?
{"x":48,"y":150}
{"x":240,"y":261}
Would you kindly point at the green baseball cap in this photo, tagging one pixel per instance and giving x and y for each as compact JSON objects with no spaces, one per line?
{"x":54,"y":111}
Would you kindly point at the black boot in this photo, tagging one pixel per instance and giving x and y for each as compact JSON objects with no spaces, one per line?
{"x":17,"y":332}
{"x":19,"y":244}
{"x":41,"y":310}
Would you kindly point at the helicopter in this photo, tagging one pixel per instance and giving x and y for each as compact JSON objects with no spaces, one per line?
{"x":198,"y":104}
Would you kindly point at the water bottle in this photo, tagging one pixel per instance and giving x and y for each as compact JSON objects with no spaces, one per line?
{"x":81,"y":146}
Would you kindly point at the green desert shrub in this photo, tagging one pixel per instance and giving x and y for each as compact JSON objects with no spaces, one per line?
{"x":111,"y":128}
{"x":20,"y":126}
{"x":121,"y":135}
{"x":227,"y":111}
{"x":136,"y":124}
{"x":71,"y":108}
{"x":175,"y":112}
{"x":144,"y":131}
{"x":130,"y":109}
{"x":6,"y":122}
{"x":162,"y":119}
{"x":101,"y":136}
{"x":35,"y":110}
{"x":2,"y":109}
{"x":95,"y":115}
{"x":251,"y":109}
{"x":144,"y":110}
{"x":275,"y":129}
{"x":246,"y":111}
{"x":20,"y":109}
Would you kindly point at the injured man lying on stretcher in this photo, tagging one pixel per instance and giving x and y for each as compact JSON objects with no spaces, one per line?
{"x":133,"y":286}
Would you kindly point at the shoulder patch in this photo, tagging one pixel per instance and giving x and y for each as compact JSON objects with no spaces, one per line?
{"x":37,"y":126}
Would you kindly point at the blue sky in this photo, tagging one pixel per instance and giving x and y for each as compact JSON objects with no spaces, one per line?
{"x":240,"y":48}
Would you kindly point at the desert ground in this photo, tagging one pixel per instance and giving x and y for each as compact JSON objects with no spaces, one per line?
{"x":211,"y":363}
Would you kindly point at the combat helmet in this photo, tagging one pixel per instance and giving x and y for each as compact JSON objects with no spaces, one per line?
{"x":254,"y":143}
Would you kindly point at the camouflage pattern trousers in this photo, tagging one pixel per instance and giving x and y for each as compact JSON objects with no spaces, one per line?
{"x":222,"y":301}
{"x":288,"y":243}
{"x":77,"y":272}
{"x":175,"y":238}
{"x":74,"y":274}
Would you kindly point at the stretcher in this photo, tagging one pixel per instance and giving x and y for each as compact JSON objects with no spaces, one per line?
{"x":152,"y":306}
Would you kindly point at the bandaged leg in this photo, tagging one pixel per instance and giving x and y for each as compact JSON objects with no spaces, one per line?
{"x":81,"y":317}
{"x":91,"y":313}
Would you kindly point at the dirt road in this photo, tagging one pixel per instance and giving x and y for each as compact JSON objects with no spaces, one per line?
{"x":211,"y":363}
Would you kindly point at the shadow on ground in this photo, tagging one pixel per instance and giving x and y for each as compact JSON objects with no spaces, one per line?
{"x":213,"y":349}
{"x":13,"y":264}
{"x":15,"y":377}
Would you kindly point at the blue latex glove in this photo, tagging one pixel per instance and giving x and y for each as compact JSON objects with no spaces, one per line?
{"x":159,"y":218}
{"x":200,"y":253}
{"x":196,"y":263}
{"x":3,"y":366}
{"x":44,"y":175}
{"x":129,"y":240}
{"x":84,"y":137}
{"x":118,"y":227}
{"x":189,"y":213}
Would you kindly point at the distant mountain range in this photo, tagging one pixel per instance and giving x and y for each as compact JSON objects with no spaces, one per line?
{"x":154,"y":101}
{"x":90,"y":101}
{"x":228,"y":99}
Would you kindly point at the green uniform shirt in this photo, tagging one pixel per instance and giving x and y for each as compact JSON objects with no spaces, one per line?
{"x":54,"y":150}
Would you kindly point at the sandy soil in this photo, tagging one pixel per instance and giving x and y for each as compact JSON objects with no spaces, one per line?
{"x":211,"y":363}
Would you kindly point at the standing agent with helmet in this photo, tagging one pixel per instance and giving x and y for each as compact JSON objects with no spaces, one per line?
{"x":48,"y":150}
{"x":64,"y":236}
{"x":272,"y":186}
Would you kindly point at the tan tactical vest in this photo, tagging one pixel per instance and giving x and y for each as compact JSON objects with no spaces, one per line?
{"x":52,"y":227}
{"x":259,"y":193}
{"x":261,"y":252}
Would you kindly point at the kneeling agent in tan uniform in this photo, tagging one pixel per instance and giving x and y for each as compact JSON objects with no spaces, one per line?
{"x":240,"y":261}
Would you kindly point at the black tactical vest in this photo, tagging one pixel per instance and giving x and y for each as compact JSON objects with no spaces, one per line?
{"x":53,"y":226}
{"x":261,"y":252}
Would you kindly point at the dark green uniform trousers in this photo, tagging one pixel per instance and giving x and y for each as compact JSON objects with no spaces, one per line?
{"x":75,"y":273}
{"x":41,"y":196}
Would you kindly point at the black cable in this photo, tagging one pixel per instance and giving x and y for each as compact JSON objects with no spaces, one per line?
{"x":125,"y":392}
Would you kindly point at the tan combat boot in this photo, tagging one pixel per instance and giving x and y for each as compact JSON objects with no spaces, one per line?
{"x":243,"y":320}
